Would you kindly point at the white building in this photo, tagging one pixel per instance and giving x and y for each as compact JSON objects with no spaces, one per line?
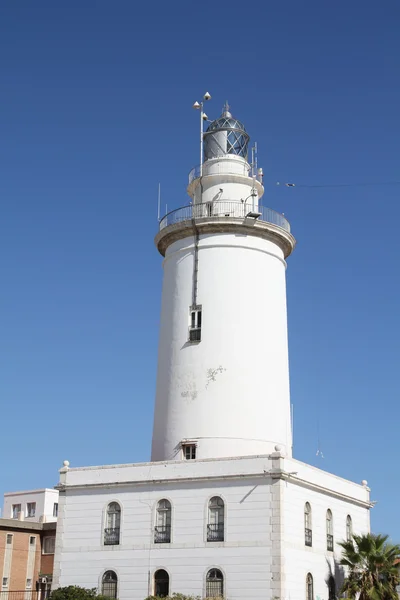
{"x":223,"y":509}
{"x":32,"y":505}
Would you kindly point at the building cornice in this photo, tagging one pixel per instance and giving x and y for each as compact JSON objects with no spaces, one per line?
{"x":272,"y":474}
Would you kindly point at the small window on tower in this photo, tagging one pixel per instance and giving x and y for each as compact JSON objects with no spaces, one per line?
{"x":189,"y":451}
{"x":195,"y":324}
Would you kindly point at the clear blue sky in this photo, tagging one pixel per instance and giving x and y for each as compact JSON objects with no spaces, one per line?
{"x":95,"y":111}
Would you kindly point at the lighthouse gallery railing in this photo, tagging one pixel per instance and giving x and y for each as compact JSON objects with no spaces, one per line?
{"x":222,"y":209}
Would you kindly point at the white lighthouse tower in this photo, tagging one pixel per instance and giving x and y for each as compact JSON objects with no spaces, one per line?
{"x":223,"y":374}
{"x":223,"y":510}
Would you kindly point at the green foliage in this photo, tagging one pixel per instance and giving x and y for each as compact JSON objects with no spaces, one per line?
{"x":372,"y":568}
{"x":74,"y":592}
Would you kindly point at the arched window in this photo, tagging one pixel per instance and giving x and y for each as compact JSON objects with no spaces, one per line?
{"x":307,"y":524}
{"x":329,"y":530}
{"x":309,"y":587}
{"x":349,"y":529}
{"x":161,"y":583}
{"x":162,"y":530}
{"x":109,"y":584}
{"x":113,"y":524}
{"x":214,"y":584}
{"x":215,"y":525}
{"x":331,"y":588}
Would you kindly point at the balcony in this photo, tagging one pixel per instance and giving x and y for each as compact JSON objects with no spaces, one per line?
{"x":162,"y":534}
{"x":329,"y":542}
{"x":224,"y":210}
{"x":111,"y":536}
{"x":308,"y":537}
{"x":215,"y":532}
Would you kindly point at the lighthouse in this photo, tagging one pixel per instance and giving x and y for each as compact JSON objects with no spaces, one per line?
{"x":222,"y":510}
{"x":223,"y":371}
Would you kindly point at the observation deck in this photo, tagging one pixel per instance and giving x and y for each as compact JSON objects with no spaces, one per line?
{"x":224,"y":216}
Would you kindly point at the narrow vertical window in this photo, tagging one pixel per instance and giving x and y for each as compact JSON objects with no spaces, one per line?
{"x":195,"y":322}
{"x":28,"y":584}
{"x":331,"y":588}
{"x":161,"y":583}
{"x":309,"y":587}
{"x":349,"y":528}
{"x":214,"y":584}
{"x":113,"y":524}
{"x":16,"y":509}
{"x":307,"y":524}
{"x":329,"y":531}
{"x":31,"y":509}
{"x":32,"y":540}
{"x":9,"y":539}
{"x":216,"y":518}
{"x":162,"y":530}
{"x":109,"y":584}
{"x":55,"y":509}
{"x":4,"y":582}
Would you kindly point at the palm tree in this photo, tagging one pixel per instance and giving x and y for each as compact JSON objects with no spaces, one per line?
{"x":372,"y":567}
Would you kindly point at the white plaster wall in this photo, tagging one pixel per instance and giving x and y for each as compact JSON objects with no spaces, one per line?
{"x":230,"y":391}
{"x":263,"y":555}
{"x":244,"y":556}
{"x":44,"y":503}
{"x":300,"y":559}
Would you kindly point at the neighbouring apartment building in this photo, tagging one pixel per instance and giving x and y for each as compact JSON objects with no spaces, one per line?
{"x":27,"y":543}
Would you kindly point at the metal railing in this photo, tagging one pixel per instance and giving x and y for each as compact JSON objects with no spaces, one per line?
{"x":223,"y":209}
{"x":308,"y":537}
{"x":24,"y":594}
{"x":215,"y":532}
{"x":111,"y":536}
{"x":329,"y":542}
{"x":162,"y":534}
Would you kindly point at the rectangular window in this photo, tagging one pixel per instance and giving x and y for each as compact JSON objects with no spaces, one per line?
{"x":9,"y":539}
{"x":55,"y":509}
{"x":195,"y":324}
{"x":31,"y":509}
{"x":28,"y":584}
{"x":16,"y":509}
{"x":189,"y":451}
{"x":5,"y":582}
{"x":49,"y":545}
{"x":32,"y":540}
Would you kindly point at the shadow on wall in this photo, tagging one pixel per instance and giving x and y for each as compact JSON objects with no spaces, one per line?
{"x":335,"y":579}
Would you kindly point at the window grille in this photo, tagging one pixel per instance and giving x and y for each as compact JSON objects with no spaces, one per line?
{"x":195,"y":324}
{"x":216,"y":518}
{"x":349,"y":528}
{"x":309,"y":587}
{"x":109,"y":584}
{"x":162,"y":529}
{"x":307,"y":525}
{"x":214,"y":584}
{"x":113,"y":525}
{"x":329,"y":530}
